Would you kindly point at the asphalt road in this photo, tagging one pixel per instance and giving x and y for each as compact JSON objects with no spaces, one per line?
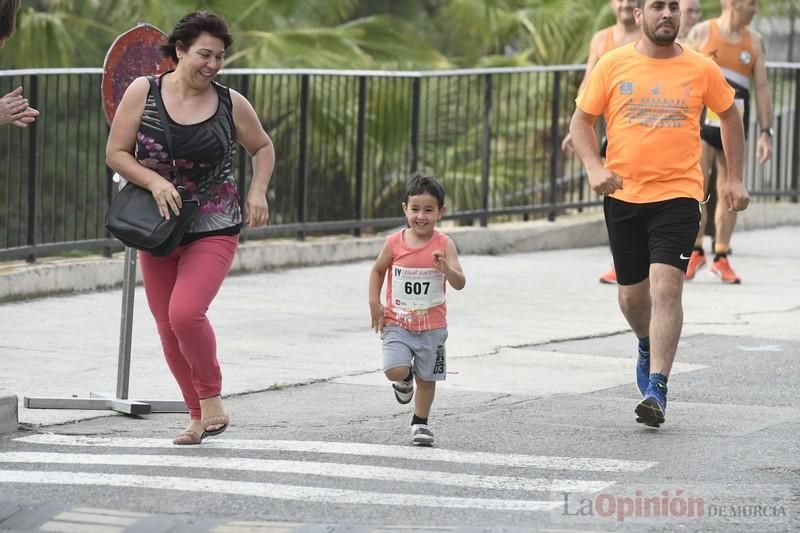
{"x":534,"y":427}
{"x":337,"y":454}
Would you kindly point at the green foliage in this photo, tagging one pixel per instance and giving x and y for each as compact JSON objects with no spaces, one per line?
{"x":376,"y":34}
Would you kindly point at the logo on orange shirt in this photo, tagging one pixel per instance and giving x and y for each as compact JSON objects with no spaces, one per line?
{"x":745,"y":58}
{"x":626,"y":87}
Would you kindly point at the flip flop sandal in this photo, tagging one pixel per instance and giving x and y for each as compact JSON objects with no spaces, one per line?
{"x":188,"y":437}
{"x":215,"y":421}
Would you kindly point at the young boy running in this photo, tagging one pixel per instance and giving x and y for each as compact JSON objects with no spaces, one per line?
{"x":413,"y":324}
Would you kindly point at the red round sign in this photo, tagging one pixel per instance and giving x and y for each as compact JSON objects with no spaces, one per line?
{"x":135,"y":53}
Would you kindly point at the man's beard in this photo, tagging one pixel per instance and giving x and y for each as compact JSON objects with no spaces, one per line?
{"x":657,"y":38}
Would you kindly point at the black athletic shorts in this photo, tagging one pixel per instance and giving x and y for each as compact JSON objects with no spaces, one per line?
{"x":657,"y":232}
{"x":710,"y":133}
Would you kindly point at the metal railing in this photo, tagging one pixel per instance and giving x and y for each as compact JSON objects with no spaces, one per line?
{"x":346,"y":141}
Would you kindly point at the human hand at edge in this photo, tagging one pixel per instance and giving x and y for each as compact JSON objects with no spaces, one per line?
{"x":12,"y":106}
{"x":28,"y":116}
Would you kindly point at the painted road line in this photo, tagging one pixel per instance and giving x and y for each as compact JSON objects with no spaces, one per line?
{"x":242,"y":526}
{"x":95,"y":518}
{"x":356,"y":448}
{"x":56,"y":526}
{"x":272,"y":491}
{"x":314,"y":468}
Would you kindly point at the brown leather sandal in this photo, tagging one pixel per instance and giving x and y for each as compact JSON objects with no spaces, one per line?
{"x":221,"y":420}
{"x":187,"y":437}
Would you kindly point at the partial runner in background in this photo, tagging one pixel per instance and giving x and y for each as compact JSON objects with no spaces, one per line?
{"x":691,"y":14}
{"x":623,"y":32}
{"x":740,"y":53}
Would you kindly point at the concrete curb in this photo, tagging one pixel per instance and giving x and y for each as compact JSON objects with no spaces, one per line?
{"x":20,"y":280}
{"x":9,"y":416}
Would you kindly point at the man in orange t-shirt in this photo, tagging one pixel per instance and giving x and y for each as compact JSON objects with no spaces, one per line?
{"x":651,"y":94}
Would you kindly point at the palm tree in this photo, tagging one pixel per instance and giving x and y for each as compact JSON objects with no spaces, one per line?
{"x":270,"y":33}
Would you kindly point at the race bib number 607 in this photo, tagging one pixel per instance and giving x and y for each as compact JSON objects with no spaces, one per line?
{"x":417,"y":288}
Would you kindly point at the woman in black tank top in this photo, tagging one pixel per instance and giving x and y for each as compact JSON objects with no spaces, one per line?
{"x":206,"y":121}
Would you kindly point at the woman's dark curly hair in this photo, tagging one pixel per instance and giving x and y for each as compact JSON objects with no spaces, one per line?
{"x":191,"y":26}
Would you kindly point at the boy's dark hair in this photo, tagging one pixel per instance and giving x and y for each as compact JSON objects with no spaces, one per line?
{"x":8,"y":17}
{"x":420,"y":184}
{"x":189,"y":28}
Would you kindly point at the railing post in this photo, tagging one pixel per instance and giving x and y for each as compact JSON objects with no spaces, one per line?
{"x":486,"y":148}
{"x":795,"y":184}
{"x":33,"y":162}
{"x":554,"y":145}
{"x":358,"y":211}
{"x":302,"y":165}
{"x":110,"y":184}
{"x":415,"y":102}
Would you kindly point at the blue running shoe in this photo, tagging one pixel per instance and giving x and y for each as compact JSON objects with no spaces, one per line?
{"x":651,"y":409}
{"x":642,"y":372}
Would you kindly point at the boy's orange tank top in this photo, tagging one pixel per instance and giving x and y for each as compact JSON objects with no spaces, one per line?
{"x":735,"y":59}
{"x":415,"y":290}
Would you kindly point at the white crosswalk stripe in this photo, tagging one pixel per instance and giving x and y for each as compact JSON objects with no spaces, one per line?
{"x":309,"y":468}
{"x":99,"y":453}
{"x":356,"y":448}
{"x":270,"y":490}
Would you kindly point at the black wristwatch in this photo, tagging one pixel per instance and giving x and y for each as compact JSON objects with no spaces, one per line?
{"x":769,"y":131}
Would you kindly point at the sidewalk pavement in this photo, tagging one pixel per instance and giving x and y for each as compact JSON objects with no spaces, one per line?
{"x":527,"y":284}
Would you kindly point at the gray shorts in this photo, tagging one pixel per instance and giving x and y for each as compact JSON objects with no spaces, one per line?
{"x":425,"y":348}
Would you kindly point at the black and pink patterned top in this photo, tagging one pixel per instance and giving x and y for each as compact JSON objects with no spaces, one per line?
{"x":204,"y":157}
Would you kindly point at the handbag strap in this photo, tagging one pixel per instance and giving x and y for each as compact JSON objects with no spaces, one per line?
{"x":162,"y":112}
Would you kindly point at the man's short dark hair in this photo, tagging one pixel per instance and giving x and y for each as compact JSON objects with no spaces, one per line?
{"x":8,"y":17}
{"x":189,"y":28}
{"x":421,"y":184}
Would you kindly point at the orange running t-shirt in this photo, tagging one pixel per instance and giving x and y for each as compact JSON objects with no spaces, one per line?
{"x":652,"y":109}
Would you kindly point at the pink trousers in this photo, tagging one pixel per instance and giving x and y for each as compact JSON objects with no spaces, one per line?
{"x":179,"y":289}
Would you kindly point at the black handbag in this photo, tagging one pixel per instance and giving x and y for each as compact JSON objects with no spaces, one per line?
{"x":133,"y":215}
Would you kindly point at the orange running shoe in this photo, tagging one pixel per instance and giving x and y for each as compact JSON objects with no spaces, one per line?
{"x":609,"y":277}
{"x":722,"y":269}
{"x":696,"y":262}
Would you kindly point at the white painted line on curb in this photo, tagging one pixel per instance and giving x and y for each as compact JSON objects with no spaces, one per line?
{"x":57,"y":526}
{"x":350,"y":471}
{"x":272,"y":491}
{"x":92,"y":518}
{"x":356,"y":448}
